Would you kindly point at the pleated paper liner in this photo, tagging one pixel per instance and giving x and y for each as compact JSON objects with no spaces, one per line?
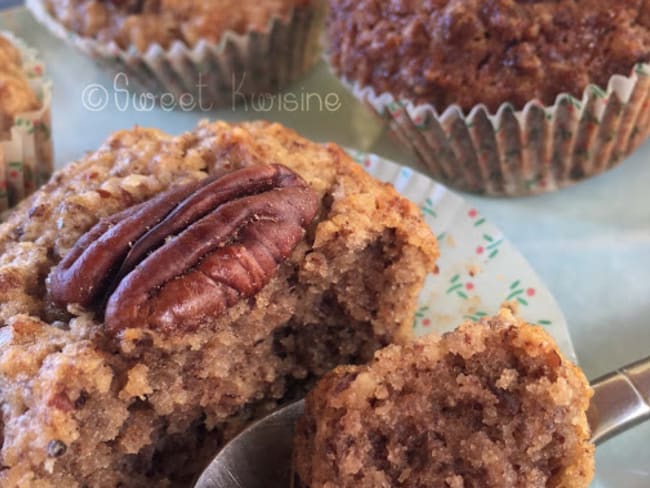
{"x":26,"y":159}
{"x":535,"y":150}
{"x":214,"y":75}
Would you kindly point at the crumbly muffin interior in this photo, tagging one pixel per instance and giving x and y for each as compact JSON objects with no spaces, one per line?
{"x":83,"y":408}
{"x":467,"y":52}
{"x":492,"y":404}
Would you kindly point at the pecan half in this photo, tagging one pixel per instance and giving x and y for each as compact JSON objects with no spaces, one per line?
{"x":83,"y":273}
{"x":194,"y":255}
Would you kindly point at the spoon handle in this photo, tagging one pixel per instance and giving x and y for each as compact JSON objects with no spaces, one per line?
{"x":621,"y":400}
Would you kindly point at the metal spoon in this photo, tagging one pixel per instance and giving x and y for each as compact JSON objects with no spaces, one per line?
{"x":260,"y":457}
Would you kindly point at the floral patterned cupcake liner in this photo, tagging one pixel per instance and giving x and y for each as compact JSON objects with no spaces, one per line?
{"x":239,"y":66}
{"x":478,"y":271}
{"x":534,"y":150}
{"x":26,"y":158}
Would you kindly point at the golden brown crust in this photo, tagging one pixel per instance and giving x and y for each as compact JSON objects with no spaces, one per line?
{"x":9,"y":54}
{"x":143,"y":23}
{"x":492,"y":404}
{"x":117,"y":405}
{"x":16,"y":96}
{"x":467,"y":52}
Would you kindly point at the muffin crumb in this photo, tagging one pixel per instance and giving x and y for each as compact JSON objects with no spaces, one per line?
{"x":490,"y":404}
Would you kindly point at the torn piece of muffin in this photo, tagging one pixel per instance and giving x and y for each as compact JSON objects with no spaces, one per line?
{"x":491,"y":404}
{"x":170,"y":354}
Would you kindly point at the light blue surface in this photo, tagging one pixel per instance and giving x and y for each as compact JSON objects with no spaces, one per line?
{"x":9,"y":3}
{"x":590,"y":243}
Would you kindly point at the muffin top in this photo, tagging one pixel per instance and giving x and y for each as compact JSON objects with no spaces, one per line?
{"x":467,"y":52}
{"x":141,"y":23}
{"x":16,"y":95}
{"x":136,"y":165}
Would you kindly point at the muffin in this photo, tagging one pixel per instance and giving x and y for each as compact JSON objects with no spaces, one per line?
{"x":16,"y":95}
{"x":25,"y":144}
{"x":505,"y":98}
{"x":198,"y":54}
{"x":491,"y":404}
{"x":161,"y":292}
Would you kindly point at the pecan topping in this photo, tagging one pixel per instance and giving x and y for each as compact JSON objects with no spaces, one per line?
{"x":80,"y":275}
{"x":189,"y":253}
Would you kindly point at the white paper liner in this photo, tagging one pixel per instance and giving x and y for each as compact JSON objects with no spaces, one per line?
{"x":239,"y":66}
{"x":26,"y":159}
{"x":534,"y":150}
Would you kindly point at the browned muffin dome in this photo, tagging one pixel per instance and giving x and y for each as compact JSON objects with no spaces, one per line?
{"x":145,"y":22}
{"x":467,"y":52}
{"x":489,"y":405}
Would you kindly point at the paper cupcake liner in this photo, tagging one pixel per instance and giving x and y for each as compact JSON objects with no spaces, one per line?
{"x":534,"y":150}
{"x":239,"y":66}
{"x":26,"y":157}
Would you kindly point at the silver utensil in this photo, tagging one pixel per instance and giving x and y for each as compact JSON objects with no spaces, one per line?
{"x":621,"y":400}
{"x":260,"y":457}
